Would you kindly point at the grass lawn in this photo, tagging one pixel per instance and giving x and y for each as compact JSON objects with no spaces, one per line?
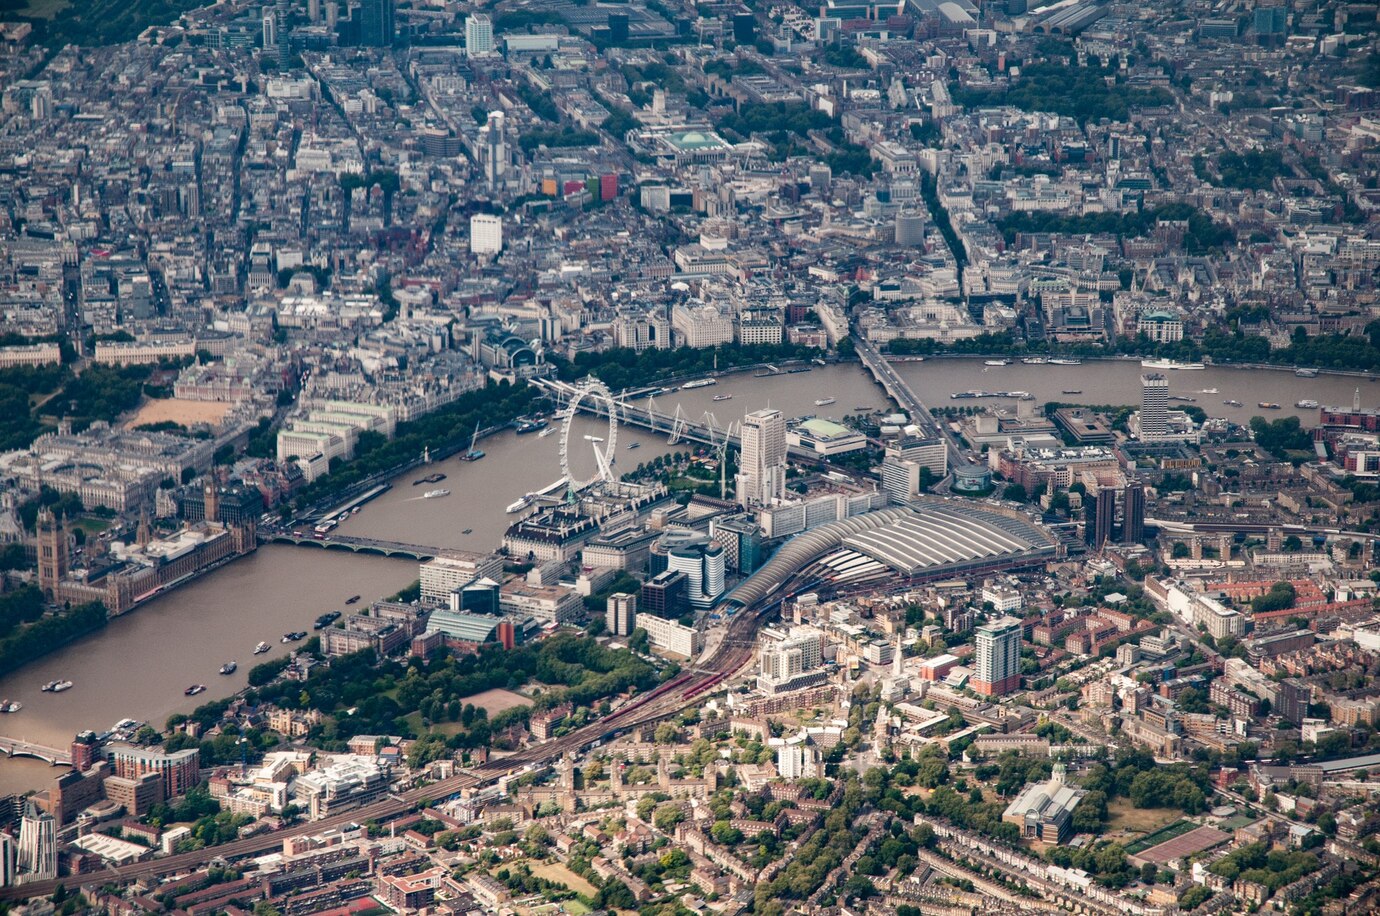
{"x":555,"y":871}
{"x":45,"y":9}
{"x":92,"y":525}
{"x":444,"y":728}
{"x":1122,"y":816}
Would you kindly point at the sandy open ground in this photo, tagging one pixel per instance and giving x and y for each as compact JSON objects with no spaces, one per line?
{"x":497,"y":700}
{"x":188,"y":413}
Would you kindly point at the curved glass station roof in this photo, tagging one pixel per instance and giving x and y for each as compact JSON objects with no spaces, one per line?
{"x":911,"y":542}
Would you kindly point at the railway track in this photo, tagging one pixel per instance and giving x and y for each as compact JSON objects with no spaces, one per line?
{"x":665,"y":700}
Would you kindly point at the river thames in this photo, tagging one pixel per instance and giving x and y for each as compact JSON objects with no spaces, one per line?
{"x":139,"y":665}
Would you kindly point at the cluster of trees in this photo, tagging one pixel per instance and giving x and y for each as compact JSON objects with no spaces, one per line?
{"x":1272,"y":868}
{"x":772,"y":117}
{"x":102,"y":22}
{"x":1281,"y":436}
{"x":18,"y":425}
{"x":1281,"y":596}
{"x":1134,"y":774}
{"x":379,"y":699}
{"x":21,"y":606}
{"x":930,"y":193}
{"x":1254,"y":170}
{"x":1076,"y":92}
{"x":1105,"y":861}
{"x":624,"y":368}
{"x":1201,"y":234}
{"x":47,"y":633}
{"x":102,"y":392}
{"x":816,"y":858}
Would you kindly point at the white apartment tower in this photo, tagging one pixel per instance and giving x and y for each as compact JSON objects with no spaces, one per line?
{"x":762,"y":463}
{"x":486,"y":234}
{"x":479,"y":35}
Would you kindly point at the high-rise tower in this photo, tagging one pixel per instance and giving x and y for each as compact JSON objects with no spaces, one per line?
{"x":998,"y":669}
{"x":1154,"y":406}
{"x":762,"y":462}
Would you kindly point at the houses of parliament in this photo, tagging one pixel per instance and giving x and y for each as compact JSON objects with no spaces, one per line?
{"x":124,"y":575}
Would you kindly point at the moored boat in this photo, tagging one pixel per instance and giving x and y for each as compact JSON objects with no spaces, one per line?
{"x":229,"y":667}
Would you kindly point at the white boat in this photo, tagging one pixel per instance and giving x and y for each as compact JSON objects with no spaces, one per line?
{"x":546,"y":432}
{"x":1208,"y":391}
{"x":8,"y":706}
{"x":1306,"y":373}
{"x":700,"y":383}
{"x":824,"y":402}
{"x":1064,"y":361}
{"x":1232,"y":403}
{"x":435,"y":494}
{"x":633,"y":445}
{"x":1169,"y":364}
{"x":261,"y":648}
{"x":57,"y":686}
{"x":723,"y":397}
{"x":1034,"y":361}
{"x":1306,"y":404}
{"x":996,"y":362}
{"x":589,"y":438}
{"x":229,"y":667}
{"x":519,"y":505}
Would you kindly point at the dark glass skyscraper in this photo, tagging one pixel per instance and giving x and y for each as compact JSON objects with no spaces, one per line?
{"x":376,"y":23}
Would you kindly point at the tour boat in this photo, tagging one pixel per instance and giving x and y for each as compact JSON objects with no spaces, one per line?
{"x":229,"y":667}
{"x":1306,"y":373}
{"x":1034,"y":361}
{"x":996,"y":362}
{"x":700,"y":383}
{"x":546,"y":432}
{"x":1208,"y":391}
{"x":1064,"y":361}
{"x":1306,"y":404}
{"x":261,"y":648}
{"x":195,"y":689}
{"x":723,"y":397}
{"x":823,"y":402}
{"x":435,"y":494}
{"x":57,"y":686}
{"x":518,"y":505}
{"x":530,"y":426}
{"x":8,"y":706}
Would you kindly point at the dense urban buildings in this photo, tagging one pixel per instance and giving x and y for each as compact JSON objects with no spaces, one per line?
{"x":749,"y":458}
